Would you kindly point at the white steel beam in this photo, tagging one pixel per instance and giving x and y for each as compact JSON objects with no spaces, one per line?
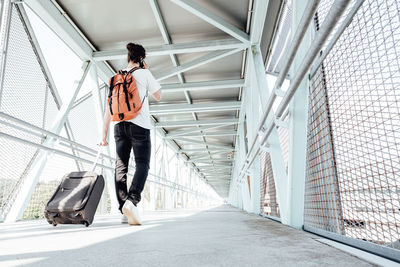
{"x":214,"y":168}
{"x":99,"y":110}
{"x":209,"y":165}
{"x":252,"y":87}
{"x":258,"y":18}
{"x":198,"y":107}
{"x":197,"y":142}
{"x":197,"y":86}
{"x":64,"y":111}
{"x":191,"y":131}
{"x":51,"y":15}
{"x":277,"y":161}
{"x":206,"y":155}
{"x":206,"y":134}
{"x":195,"y":123}
{"x":210,"y":57}
{"x":59,"y":22}
{"x":298,"y":108}
{"x":217,"y":169}
{"x":213,"y":19}
{"x":203,"y":149}
{"x":171,"y":49}
{"x":211,"y":160}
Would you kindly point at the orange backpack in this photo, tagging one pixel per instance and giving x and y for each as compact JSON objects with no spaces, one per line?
{"x":123,"y":97}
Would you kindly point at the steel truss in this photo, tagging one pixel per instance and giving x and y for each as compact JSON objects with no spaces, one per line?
{"x":94,"y":66}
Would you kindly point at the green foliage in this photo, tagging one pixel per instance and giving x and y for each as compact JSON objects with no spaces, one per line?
{"x":39,"y":199}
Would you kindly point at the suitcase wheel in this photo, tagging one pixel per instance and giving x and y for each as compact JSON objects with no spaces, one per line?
{"x":86,"y":223}
{"x":54,"y":224}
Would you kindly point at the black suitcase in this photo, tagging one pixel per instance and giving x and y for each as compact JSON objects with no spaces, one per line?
{"x":76,"y":199}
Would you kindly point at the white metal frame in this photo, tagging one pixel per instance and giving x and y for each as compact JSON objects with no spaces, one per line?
{"x":301,"y":54}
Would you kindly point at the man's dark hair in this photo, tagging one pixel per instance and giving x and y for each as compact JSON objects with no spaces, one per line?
{"x":136,"y":52}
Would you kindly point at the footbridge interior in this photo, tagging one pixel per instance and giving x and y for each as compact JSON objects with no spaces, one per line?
{"x":276,"y":140}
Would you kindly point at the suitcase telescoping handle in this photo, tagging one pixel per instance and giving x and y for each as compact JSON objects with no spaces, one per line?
{"x":96,"y":160}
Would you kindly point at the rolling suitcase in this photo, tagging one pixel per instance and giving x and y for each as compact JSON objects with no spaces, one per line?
{"x":76,"y":198}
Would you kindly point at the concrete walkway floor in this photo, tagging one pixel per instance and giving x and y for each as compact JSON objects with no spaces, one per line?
{"x":220,"y":236}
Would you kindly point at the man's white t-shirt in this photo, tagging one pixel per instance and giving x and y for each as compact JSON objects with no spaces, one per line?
{"x":145,"y":81}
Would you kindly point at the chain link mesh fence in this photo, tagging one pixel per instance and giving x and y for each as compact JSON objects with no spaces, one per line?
{"x":353,"y":172}
{"x":269,"y":201}
{"x":27,"y":96}
{"x":23,"y":96}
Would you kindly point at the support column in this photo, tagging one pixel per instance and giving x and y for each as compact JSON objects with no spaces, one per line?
{"x":298,"y":130}
{"x":275,"y":151}
{"x":99,"y":108}
{"x":259,"y":95}
{"x":28,"y":186}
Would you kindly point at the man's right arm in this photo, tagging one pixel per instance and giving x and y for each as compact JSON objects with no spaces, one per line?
{"x":152,"y":85}
{"x":106,"y":125}
{"x":157,"y":95}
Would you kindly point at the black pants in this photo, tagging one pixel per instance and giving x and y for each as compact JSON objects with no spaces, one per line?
{"x":127,"y":136}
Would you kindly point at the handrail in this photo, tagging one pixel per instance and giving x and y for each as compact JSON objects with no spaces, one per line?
{"x":164,"y":181}
{"x":46,"y":133}
{"x":331,"y":20}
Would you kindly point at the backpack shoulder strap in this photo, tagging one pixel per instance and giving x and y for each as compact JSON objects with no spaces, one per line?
{"x":133,"y":69}
{"x":130,"y":72}
{"x":110,"y":94}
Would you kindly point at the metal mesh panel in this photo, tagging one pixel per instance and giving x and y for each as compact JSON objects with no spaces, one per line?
{"x":322,"y":200}
{"x":23,"y":95}
{"x":40,"y":197}
{"x":24,"y":87}
{"x":361,"y":82}
{"x":323,"y":9}
{"x":15,"y":160}
{"x":269,"y":201}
